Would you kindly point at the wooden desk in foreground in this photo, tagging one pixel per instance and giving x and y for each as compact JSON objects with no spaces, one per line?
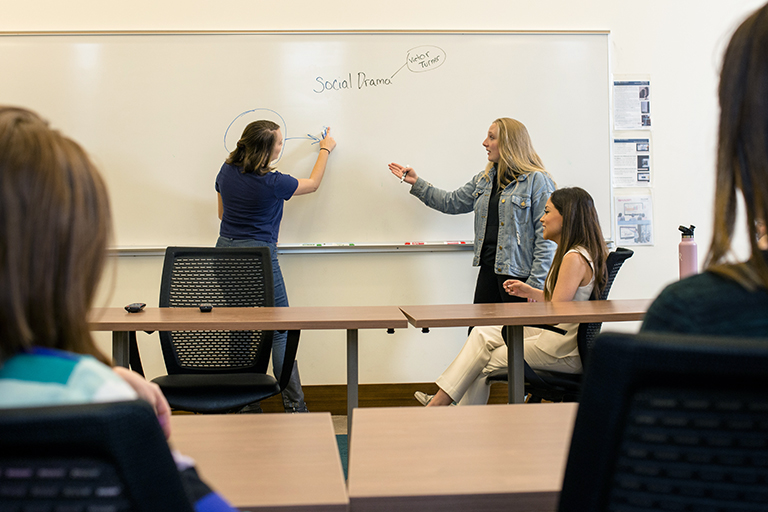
{"x":349,"y":318}
{"x":494,"y":457}
{"x":517,"y":314}
{"x":286,"y":462}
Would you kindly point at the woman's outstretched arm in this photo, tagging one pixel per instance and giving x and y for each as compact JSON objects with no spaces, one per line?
{"x":309,"y":185}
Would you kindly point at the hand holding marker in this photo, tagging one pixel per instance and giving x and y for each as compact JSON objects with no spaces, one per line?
{"x":323,"y":134}
{"x":405,"y":173}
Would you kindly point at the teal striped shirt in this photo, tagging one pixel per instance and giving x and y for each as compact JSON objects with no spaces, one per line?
{"x":43,"y":377}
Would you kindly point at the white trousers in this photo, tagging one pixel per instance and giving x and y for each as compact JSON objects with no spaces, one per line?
{"x":485,"y":351}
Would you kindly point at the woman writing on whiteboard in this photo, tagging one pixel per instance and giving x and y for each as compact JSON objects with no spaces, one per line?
{"x":251,"y":196}
{"x":508,"y":199}
{"x":578,"y":271}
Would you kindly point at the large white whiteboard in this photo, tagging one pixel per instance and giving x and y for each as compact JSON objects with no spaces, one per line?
{"x":153,"y":110}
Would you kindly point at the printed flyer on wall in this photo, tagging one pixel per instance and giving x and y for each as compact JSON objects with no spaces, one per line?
{"x":631,"y":162}
{"x":632,"y":105}
{"x":634,"y":219}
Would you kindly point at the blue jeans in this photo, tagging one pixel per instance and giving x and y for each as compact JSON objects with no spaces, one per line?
{"x":293,"y":396}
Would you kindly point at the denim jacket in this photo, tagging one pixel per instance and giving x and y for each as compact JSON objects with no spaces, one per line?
{"x":522,"y":250}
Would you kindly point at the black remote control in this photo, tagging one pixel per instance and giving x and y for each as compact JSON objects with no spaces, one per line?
{"x":135,"y":307}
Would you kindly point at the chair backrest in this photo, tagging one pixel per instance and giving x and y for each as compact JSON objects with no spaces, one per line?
{"x":588,"y":332}
{"x":671,"y":422}
{"x":87,"y":457}
{"x":222,"y":277}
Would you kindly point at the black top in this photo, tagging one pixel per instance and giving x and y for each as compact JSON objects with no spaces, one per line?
{"x":709,"y":303}
{"x":491,"y":239}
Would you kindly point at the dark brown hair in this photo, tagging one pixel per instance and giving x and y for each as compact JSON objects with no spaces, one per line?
{"x":742,"y":156}
{"x":581,"y":227}
{"x":54,"y":227}
{"x":254,"y":149}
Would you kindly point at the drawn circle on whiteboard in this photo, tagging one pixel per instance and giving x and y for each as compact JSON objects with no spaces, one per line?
{"x":235,"y":129}
{"x":425,"y":58}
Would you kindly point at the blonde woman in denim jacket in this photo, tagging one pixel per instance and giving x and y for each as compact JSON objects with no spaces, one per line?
{"x":508,"y":199}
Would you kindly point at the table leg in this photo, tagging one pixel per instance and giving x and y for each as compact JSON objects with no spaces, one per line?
{"x":515,"y":366}
{"x":120,"y":355}
{"x":352,"y":377}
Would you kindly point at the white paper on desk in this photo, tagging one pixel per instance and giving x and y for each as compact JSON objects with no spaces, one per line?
{"x":631,"y":162}
{"x":634,"y":220}
{"x":632,"y":105}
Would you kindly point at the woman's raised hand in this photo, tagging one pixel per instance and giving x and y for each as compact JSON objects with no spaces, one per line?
{"x":328,"y":142}
{"x":399,"y":170}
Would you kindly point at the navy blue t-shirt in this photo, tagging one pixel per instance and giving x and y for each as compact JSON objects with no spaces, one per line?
{"x":253,"y":204}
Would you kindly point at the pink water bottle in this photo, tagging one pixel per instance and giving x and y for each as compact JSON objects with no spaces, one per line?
{"x":689,"y":263}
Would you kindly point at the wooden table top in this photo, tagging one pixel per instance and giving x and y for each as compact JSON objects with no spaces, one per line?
{"x":367,"y":317}
{"x":525,"y":313}
{"x":494,"y":457}
{"x":258,"y":461}
{"x":191,"y":319}
{"x":505,"y":457}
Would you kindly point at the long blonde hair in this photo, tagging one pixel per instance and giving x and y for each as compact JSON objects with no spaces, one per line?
{"x":516,"y":153}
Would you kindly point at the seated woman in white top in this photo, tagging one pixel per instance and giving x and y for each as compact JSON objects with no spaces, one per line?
{"x":578,"y":271}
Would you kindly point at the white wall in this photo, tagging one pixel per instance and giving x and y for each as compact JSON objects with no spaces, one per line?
{"x":679,"y":44}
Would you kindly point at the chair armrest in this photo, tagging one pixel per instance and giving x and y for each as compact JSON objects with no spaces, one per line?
{"x":552,"y":328}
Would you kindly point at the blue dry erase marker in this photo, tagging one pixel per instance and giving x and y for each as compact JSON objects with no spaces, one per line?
{"x":405,"y":173}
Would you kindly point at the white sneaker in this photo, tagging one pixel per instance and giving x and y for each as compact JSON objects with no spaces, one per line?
{"x":422,"y":397}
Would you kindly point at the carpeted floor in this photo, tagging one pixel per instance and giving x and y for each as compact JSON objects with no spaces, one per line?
{"x":341,"y":440}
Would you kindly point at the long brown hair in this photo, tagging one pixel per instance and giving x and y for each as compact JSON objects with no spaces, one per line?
{"x":742,"y":156}
{"x":581,"y":227}
{"x":516,"y":153}
{"x":54,"y":227}
{"x":254,"y":149}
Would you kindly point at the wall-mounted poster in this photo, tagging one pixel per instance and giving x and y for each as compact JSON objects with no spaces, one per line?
{"x":631,"y":163}
{"x":632,"y":105}
{"x":634,"y":220}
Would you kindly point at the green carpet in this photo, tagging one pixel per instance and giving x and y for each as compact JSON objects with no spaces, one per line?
{"x":341,"y":440}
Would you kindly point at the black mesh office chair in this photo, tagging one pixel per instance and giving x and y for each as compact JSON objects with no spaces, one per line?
{"x":219,"y":371}
{"x":96,"y":457}
{"x":671,"y":422}
{"x":565,"y":387}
